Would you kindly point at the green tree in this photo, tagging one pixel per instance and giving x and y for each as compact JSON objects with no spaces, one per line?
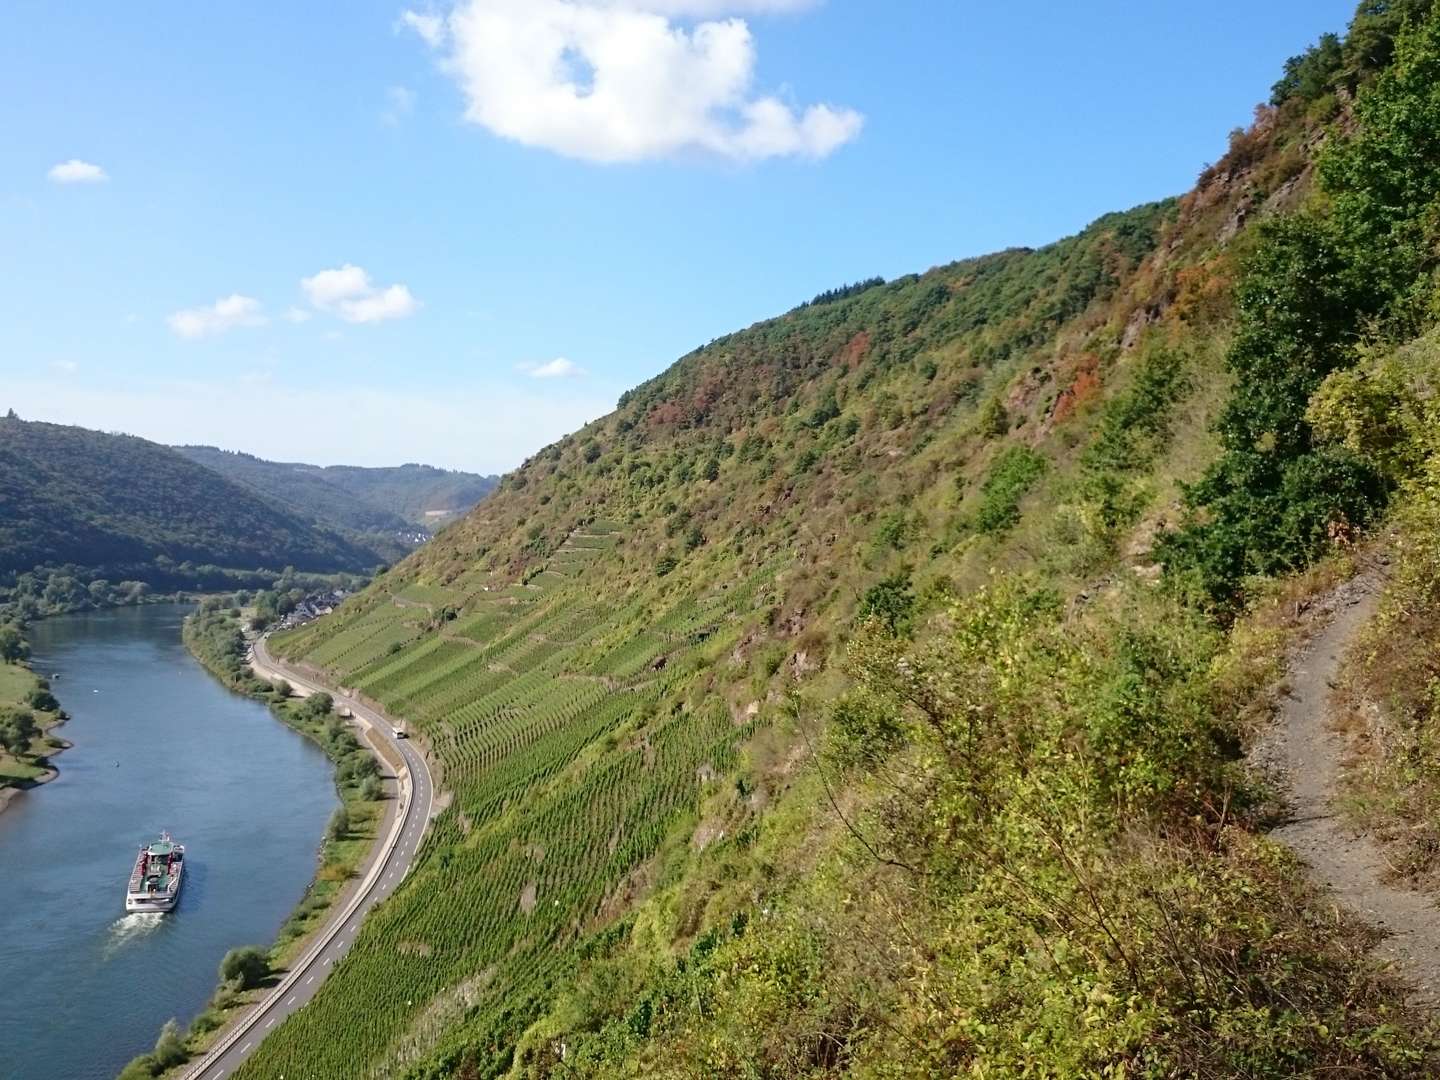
{"x":247,"y":967}
{"x":892,"y":602}
{"x":992,"y":420}
{"x":1315,"y":284}
{"x":17,"y":730}
{"x":42,"y":699}
{"x":170,"y":1047}
{"x":13,"y":648}
{"x":339,"y":827}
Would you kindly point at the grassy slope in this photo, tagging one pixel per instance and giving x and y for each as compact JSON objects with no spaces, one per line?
{"x":16,"y":683}
{"x":620,"y":663}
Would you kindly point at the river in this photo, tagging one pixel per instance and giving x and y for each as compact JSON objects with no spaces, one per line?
{"x":158,"y":744}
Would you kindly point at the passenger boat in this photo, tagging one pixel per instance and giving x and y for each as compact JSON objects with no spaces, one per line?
{"x":155,"y":880}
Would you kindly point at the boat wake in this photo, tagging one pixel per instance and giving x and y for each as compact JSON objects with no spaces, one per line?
{"x":130,"y":928}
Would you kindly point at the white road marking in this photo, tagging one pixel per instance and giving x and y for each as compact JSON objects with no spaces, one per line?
{"x":309,"y":980}
{"x":291,"y":1001}
{"x":246,"y":1047}
{"x":270,"y":1023}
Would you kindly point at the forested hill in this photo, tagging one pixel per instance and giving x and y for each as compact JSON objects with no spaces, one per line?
{"x":421,"y":493}
{"x":374,"y":501}
{"x":135,"y":509}
{"x":866,"y":694}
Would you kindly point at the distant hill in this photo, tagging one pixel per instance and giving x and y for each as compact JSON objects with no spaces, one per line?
{"x":420,"y":493}
{"x":363,"y":500}
{"x":115,"y":504}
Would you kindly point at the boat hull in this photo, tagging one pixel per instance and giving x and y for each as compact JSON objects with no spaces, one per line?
{"x":152,"y":903}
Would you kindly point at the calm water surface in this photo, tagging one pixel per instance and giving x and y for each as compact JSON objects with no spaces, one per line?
{"x":159,"y":744}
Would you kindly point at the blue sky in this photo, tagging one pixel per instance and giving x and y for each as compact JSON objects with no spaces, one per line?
{"x":352,"y":234}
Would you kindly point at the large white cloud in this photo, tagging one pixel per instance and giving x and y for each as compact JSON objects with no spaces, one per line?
{"x":621,"y":80}
{"x":225,"y":314}
{"x":76,"y":171}
{"x":349,"y":293}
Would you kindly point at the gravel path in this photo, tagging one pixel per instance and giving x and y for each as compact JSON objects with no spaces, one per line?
{"x":1308,"y":753}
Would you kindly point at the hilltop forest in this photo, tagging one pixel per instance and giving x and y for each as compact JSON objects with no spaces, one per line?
{"x":87,"y":514}
{"x":869,"y":694}
{"x":385,"y":510}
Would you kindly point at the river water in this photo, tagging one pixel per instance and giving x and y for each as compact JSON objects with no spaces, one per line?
{"x":158,"y":744}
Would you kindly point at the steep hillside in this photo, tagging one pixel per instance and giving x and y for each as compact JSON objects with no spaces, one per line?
{"x":131,"y":508}
{"x":380,"y":502}
{"x":830,"y":708}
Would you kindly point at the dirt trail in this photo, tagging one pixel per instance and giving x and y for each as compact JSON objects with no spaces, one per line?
{"x":1353,"y":867}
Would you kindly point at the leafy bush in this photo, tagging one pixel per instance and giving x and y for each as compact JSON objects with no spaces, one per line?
{"x":1316,"y":281}
{"x":1011,"y":477}
{"x":892,"y":602}
{"x":245,"y":967}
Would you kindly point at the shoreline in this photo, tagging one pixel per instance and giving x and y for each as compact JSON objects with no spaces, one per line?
{"x":11,"y":789}
{"x":289,"y":944}
{"x":386,"y":870}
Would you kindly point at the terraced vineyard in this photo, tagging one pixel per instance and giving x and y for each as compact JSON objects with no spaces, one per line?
{"x":591,"y":657}
{"x":542,"y":705}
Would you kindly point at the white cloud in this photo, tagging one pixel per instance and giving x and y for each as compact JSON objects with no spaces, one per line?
{"x":713,"y":7}
{"x":348,"y":293}
{"x":76,"y":171}
{"x":619,"y":81}
{"x":399,"y":103}
{"x":65,"y":367}
{"x":430,"y":27}
{"x":297,"y":315}
{"x":225,"y":314}
{"x":559,"y":368}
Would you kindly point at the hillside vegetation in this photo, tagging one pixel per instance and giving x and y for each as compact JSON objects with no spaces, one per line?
{"x":421,"y":494}
{"x":383,"y":509}
{"x":867,"y":694}
{"x":119,"y":508}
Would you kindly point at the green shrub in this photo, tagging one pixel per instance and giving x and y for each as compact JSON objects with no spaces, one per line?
{"x":247,"y":967}
{"x":169,"y":1047}
{"x":1014,"y":472}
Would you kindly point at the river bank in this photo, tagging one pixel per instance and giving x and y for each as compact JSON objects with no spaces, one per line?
{"x":23,"y":693}
{"x":158,"y":745}
{"x":213,"y":635}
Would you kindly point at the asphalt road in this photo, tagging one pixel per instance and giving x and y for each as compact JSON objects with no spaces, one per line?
{"x":379,"y":878}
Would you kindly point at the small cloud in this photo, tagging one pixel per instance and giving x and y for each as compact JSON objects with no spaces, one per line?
{"x":333,"y":335}
{"x":296,"y":315}
{"x":559,"y":368}
{"x":431,"y":28}
{"x":399,"y":103}
{"x":65,"y":367}
{"x":348,"y":293}
{"x":223,"y":315}
{"x":76,"y":171}
{"x":131,"y":318}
